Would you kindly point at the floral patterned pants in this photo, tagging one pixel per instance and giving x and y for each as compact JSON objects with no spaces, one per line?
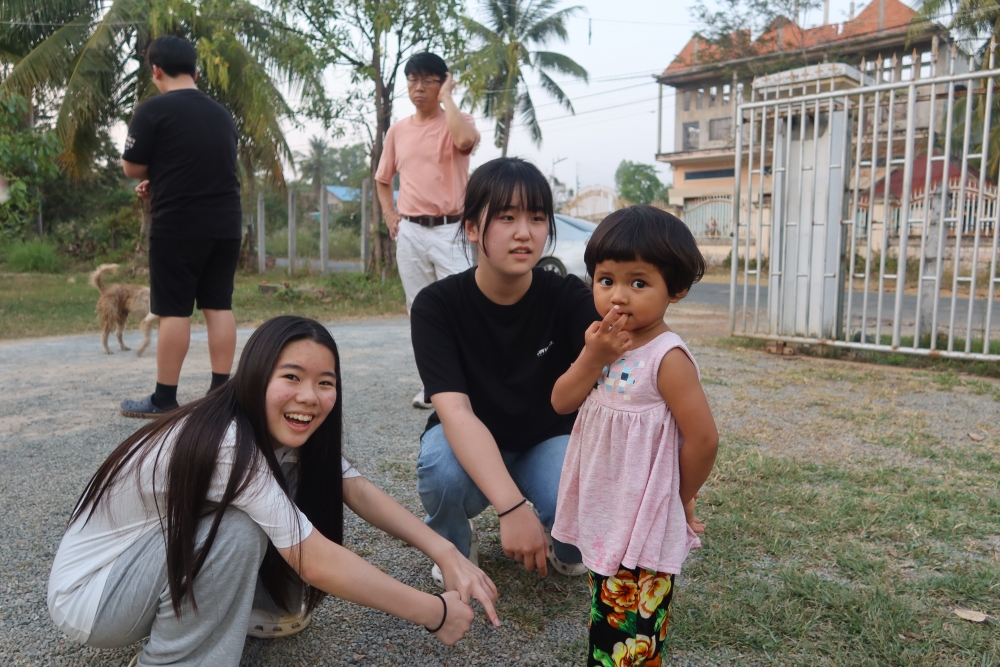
{"x":629,"y":614}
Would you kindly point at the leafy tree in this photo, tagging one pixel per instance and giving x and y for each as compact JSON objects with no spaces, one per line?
{"x":347,"y":165}
{"x":637,"y":182}
{"x":94,"y":58}
{"x":979,"y":21}
{"x":27,"y":162}
{"x":373,"y":38}
{"x":495,"y":71}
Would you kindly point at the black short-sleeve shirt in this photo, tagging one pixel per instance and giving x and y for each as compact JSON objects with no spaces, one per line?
{"x":505,"y":358}
{"x":188,"y":141}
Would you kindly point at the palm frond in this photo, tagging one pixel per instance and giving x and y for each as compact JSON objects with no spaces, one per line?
{"x":528,"y":118}
{"x":553,"y":89}
{"x":92,"y":81}
{"x":47,"y":62}
{"x":553,"y":25}
{"x":547,"y":60}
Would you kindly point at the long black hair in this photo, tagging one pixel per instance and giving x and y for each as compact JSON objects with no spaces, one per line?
{"x":495,"y":185}
{"x":200,"y":428}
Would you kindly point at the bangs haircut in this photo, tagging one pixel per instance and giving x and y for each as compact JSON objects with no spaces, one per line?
{"x":426,"y":64}
{"x":500,"y":185}
{"x":650,"y":235}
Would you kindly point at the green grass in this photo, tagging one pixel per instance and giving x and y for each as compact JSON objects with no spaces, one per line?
{"x":812,"y":564}
{"x":34,"y":304}
{"x":35,"y":255}
{"x":817,"y":564}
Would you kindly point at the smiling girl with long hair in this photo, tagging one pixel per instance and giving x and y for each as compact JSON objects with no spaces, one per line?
{"x":232,"y":504}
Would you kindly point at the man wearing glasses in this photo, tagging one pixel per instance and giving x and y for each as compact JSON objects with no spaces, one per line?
{"x":430,"y":152}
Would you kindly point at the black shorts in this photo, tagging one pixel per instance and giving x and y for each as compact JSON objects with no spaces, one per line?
{"x":185,"y":271}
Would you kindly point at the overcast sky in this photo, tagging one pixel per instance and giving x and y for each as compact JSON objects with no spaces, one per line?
{"x":629,"y":42}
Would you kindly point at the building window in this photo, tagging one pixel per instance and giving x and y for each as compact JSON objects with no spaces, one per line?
{"x":720,"y":129}
{"x":709,"y":173}
{"x":701,"y":94}
{"x":692,"y":132}
{"x":725,"y":94}
{"x":687,"y":100}
{"x":925,"y":65}
{"x":713,"y":92}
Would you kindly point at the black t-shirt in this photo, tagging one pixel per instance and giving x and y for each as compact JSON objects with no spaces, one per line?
{"x":188,"y":141}
{"x":505,"y":358}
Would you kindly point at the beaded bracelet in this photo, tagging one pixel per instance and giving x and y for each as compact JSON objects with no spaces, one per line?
{"x":443,"y":618}
{"x":523,"y":500}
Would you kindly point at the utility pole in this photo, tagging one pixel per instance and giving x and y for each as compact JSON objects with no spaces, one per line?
{"x":555,"y":161}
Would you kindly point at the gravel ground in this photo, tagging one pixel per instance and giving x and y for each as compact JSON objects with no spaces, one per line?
{"x":58,"y":420}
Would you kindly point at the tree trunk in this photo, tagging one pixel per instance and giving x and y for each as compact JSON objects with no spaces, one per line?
{"x":383,"y":255}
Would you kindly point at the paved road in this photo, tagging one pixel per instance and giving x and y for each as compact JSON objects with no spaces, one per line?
{"x":316,"y":264}
{"x":717,"y":294}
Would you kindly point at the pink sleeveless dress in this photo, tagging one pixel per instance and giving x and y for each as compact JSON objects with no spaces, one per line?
{"x":619,"y":494}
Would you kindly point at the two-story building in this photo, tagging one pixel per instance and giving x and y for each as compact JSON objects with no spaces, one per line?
{"x":882,"y":36}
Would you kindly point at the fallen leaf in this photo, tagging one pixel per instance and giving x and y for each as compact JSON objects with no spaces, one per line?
{"x":358,"y":657}
{"x":975,"y":437}
{"x":970,"y":615}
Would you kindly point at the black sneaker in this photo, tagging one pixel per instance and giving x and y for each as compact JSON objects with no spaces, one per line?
{"x":144,"y":408}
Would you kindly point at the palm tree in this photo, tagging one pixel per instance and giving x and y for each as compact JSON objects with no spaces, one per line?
{"x":495,"y":72}
{"x":315,"y":162}
{"x":93,"y":58}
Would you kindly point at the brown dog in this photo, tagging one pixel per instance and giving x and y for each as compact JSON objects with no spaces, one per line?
{"x":117,"y":301}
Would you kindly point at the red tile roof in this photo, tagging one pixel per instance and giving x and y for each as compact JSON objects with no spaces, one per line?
{"x":920,"y":174}
{"x":897,"y":18}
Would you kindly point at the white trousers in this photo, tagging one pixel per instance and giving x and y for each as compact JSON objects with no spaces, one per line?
{"x":427,"y":254}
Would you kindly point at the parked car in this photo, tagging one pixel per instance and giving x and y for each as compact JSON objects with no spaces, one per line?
{"x":566,"y":256}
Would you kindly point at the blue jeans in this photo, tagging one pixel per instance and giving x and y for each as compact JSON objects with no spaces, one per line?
{"x":451,"y":498}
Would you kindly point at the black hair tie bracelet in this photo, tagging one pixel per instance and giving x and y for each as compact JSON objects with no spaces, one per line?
{"x":444,"y":617}
{"x":523,"y":500}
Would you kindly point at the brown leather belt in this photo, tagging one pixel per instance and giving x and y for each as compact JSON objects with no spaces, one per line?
{"x":433,"y":221}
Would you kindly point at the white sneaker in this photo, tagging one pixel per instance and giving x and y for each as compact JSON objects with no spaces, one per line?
{"x":436,"y":573}
{"x":419,"y":402}
{"x":565,"y":569}
{"x":270,"y":625}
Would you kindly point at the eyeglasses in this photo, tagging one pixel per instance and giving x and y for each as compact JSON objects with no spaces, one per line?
{"x":426,"y":81}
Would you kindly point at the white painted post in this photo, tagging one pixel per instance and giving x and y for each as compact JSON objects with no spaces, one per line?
{"x":261,"y":266}
{"x":291,"y":231}
{"x":324,"y":232}
{"x":365,"y":227}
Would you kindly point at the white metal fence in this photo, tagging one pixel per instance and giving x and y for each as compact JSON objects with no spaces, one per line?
{"x":837,"y":163}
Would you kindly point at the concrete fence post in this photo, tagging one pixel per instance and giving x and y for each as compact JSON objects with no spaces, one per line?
{"x":291,"y":231}
{"x":365,"y":227}
{"x":261,"y":264}
{"x":324,"y":231}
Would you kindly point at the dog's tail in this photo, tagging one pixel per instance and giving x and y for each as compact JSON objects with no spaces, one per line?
{"x":98,"y":275}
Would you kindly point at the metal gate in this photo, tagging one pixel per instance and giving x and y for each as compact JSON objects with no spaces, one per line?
{"x":865,"y":209}
{"x":710,"y":217}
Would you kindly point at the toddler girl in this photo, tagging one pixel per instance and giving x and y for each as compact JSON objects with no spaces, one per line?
{"x":644,"y":440}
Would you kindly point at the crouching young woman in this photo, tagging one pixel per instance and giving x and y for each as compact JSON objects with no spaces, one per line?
{"x":225,"y":518}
